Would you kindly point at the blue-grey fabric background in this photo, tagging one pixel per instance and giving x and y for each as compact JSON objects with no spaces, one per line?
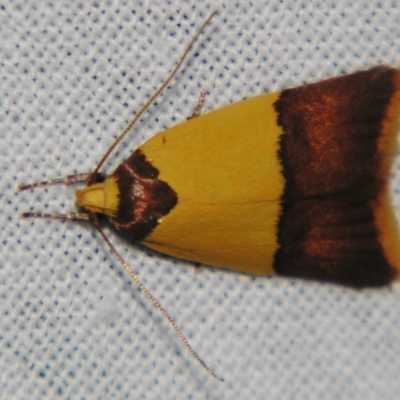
{"x":73,"y":325}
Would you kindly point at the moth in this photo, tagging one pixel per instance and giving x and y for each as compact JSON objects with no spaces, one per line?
{"x":291,"y":183}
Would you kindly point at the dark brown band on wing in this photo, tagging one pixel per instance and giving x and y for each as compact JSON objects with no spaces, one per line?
{"x":144,"y":198}
{"x":333,"y":173}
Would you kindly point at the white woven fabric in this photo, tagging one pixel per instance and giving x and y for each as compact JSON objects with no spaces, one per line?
{"x":73,"y":325}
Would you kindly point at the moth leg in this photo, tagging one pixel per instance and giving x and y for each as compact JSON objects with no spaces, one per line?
{"x":200,"y":104}
{"x":73,"y":216}
{"x":66,"y":180}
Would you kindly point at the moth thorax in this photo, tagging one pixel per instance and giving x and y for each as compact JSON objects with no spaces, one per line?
{"x":100,"y":198}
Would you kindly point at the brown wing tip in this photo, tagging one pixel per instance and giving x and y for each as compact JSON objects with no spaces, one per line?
{"x":340,"y":139}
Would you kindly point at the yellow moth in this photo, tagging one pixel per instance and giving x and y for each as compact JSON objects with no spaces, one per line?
{"x":291,"y":183}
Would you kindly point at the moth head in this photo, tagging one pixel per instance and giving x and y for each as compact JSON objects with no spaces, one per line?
{"x":101,"y":198}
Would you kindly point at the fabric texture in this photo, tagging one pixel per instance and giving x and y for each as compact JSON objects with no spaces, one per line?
{"x":73,"y":324}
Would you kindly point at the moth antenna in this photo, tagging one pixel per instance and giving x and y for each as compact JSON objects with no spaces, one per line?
{"x":152,"y":98}
{"x":73,"y":216}
{"x":148,"y":294}
{"x":66,"y":180}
